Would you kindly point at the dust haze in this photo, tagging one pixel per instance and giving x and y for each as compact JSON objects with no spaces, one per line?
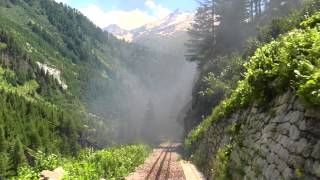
{"x":154,"y":107}
{"x":145,"y":105}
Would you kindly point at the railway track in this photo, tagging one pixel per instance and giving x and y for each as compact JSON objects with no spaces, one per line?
{"x":158,"y":169}
{"x":153,"y":168}
{"x":168,"y":167}
{"x":163,"y":164}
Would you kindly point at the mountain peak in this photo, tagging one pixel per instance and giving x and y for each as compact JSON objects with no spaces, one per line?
{"x":119,"y":32}
{"x":113,"y":28}
{"x":113,"y":25}
{"x":175,"y":22}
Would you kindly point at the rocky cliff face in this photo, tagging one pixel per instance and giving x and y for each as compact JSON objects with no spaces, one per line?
{"x":278,"y":140}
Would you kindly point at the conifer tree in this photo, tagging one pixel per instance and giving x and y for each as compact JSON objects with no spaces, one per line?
{"x":203,"y":32}
{"x":148,"y":129}
{"x":3,"y":146}
{"x":3,"y":165}
{"x":35,"y":139}
{"x":17,"y":156}
{"x":233,"y":28}
{"x":219,"y":27}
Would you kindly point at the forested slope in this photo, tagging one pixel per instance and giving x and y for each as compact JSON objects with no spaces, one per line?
{"x":61,"y":82}
{"x":220,"y":49}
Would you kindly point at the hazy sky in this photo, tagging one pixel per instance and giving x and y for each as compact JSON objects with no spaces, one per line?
{"x":128,"y":14}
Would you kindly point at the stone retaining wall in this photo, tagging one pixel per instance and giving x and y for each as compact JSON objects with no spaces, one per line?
{"x":280,"y":140}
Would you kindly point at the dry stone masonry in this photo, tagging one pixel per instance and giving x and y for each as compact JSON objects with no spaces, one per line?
{"x":279,"y":140}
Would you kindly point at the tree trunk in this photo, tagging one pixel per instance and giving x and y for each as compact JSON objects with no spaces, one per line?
{"x":251,"y":11}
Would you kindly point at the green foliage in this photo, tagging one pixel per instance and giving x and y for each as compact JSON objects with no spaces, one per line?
{"x":208,"y":40}
{"x":233,"y":130}
{"x":199,"y":132}
{"x":3,"y":165}
{"x":283,"y":24}
{"x":27,"y":173}
{"x":58,"y":36}
{"x":3,"y":141}
{"x":311,"y":7}
{"x":42,"y":162}
{"x":92,"y":63}
{"x":285,"y":55}
{"x":290,"y":62}
{"x":298,"y":172}
{"x":33,"y":105}
{"x":312,"y":21}
{"x":310,"y":90}
{"x":17,"y":157}
{"x":46,"y":162}
{"x":36,"y":123}
{"x":3,"y":46}
{"x":278,"y":26}
{"x":221,"y":164}
{"x":112,"y":163}
{"x":274,"y":20}
{"x":215,"y":84}
{"x":217,"y":79}
{"x":227,"y":71}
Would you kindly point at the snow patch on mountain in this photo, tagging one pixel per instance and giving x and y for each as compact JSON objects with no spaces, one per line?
{"x":119,"y":32}
{"x":175,"y":22}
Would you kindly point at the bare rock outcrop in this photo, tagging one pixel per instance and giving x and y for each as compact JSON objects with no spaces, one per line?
{"x":56,"y":174}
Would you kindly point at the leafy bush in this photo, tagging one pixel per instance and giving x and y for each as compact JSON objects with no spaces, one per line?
{"x":292,"y":61}
{"x":112,"y":163}
{"x":220,"y":169}
{"x":27,"y":173}
{"x":277,"y":27}
{"x":46,"y":162}
{"x":215,"y":84}
{"x":228,"y":70}
{"x":310,"y":90}
{"x":312,"y":21}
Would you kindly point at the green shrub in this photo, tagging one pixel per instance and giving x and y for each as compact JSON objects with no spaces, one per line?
{"x":46,"y":162}
{"x":310,"y":90}
{"x":221,"y":164}
{"x":312,"y":21}
{"x":112,"y":163}
{"x":292,"y":61}
{"x":27,"y":173}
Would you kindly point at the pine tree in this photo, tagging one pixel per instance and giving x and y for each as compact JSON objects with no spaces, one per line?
{"x":233,"y":29}
{"x":282,"y":7}
{"x":35,"y":139}
{"x":3,"y":165}
{"x":148,"y":129}
{"x":220,"y":26}
{"x":3,"y":145}
{"x":17,"y":157}
{"x":203,"y":32}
